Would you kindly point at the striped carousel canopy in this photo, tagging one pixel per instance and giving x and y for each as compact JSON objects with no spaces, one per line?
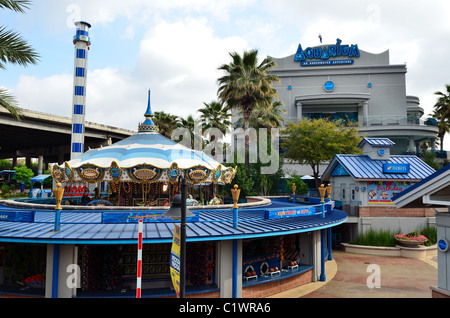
{"x":144,"y":157}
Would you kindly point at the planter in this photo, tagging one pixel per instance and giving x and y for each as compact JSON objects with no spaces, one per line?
{"x":402,"y":251}
{"x":409,"y":243}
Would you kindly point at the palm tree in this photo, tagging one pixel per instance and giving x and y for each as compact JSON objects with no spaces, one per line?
{"x":268,"y":117}
{"x":190,"y":126}
{"x":14,"y":50}
{"x":247,"y":84}
{"x":441,"y":112}
{"x":166,"y":123}
{"x":214,"y":115}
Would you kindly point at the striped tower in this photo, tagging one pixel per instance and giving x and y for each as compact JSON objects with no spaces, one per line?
{"x":139,"y":260}
{"x":82,"y":41}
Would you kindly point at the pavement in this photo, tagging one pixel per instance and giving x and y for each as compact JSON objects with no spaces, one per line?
{"x":348,"y":275}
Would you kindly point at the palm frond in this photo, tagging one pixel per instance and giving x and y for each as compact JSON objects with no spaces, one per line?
{"x":8,"y":102}
{"x":15,"y":50}
{"x":15,"y":5}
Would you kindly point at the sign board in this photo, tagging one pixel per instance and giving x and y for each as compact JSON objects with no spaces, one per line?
{"x":19,"y":216}
{"x":396,"y":167}
{"x":382,"y":192}
{"x":146,"y":216}
{"x":288,"y":213}
{"x":175,"y":259}
{"x":327,"y":55}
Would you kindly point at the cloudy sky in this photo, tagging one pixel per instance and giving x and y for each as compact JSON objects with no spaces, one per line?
{"x":175,"y":47}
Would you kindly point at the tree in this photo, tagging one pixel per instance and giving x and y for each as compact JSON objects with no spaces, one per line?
{"x":23,"y":174}
{"x":267,"y":117}
{"x":247,"y":84}
{"x":317,"y":141}
{"x":214,"y":115}
{"x":441,"y":112}
{"x":166,"y":123}
{"x":14,"y":50}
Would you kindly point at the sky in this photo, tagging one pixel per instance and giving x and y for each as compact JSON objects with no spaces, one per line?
{"x":174,"y":48}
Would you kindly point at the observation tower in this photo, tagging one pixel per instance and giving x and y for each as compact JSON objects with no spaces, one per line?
{"x":82,"y":41}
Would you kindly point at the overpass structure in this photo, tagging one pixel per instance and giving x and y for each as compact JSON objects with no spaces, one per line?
{"x":48,"y":137}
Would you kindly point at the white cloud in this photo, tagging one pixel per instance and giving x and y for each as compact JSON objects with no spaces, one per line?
{"x":180,"y":60}
{"x":177,"y":61}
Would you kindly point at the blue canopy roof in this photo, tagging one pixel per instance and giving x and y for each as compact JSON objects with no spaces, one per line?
{"x":362,"y":167}
{"x":86,"y":227}
{"x":40,"y":178}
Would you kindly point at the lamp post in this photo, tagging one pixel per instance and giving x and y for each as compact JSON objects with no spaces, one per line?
{"x":59,"y":192}
{"x":329,"y":188}
{"x":178,"y":211}
{"x":322,"y":191}
{"x":294,"y":187}
{"x":235,"y":193}
{"x":330,"y":256}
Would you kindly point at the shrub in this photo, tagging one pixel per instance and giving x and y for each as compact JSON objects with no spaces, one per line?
{"x":376,"y":238}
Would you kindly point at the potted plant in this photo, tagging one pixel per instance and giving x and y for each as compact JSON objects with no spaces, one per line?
{"x":412,"y":239}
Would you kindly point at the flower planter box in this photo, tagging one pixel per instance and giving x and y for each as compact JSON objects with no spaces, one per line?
{"x":398,"y":251}
{"x":409,"y":243}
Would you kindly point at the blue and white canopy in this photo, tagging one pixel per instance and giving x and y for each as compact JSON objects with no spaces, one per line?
{"x":144,"y":157}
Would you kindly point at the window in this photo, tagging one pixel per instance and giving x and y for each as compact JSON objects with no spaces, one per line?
{"x":346,"y":117}
{"x":343,"y":194}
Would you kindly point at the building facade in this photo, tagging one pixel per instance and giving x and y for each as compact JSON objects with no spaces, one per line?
{"x":340,"y":81}
{"x":364,"y":185}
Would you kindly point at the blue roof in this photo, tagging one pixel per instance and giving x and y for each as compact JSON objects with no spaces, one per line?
{"x":421,"y":183}
{"x":377,"y":142}
{"x":364,"y":168}
{"x":40,"y":178}
{"x":86,"y":227}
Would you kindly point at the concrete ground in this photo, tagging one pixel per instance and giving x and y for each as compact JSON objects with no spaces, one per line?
{"x":348,"y":276}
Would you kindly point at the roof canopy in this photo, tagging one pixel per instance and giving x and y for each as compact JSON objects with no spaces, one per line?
{"x":144,"y":157}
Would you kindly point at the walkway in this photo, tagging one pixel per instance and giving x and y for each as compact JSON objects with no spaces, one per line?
{"x":347,"y":277}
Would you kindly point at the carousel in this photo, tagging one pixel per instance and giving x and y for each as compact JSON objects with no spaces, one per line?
{"x":144,"y":170}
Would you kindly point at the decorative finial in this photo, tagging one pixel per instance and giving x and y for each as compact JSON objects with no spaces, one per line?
{"x":148,"y":125}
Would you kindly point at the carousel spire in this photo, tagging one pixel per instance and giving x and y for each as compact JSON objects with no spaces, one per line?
{"x":148,"y":125}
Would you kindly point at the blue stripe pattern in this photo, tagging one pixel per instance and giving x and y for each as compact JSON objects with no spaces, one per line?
{"x":78,"y":128}
{"x":79,"y":72}
{"x":81,"y":54}
{"x":78,"y":109}
{"x":79,"y":90}
{"x":77,"y":147}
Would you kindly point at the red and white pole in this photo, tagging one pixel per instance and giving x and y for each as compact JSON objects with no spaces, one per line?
{"x":139,"y":261}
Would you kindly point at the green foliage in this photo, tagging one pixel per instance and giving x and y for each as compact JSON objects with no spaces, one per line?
{"x":430,"y":232}
{"x":317,"y":141}
{"x":5,"y":164}
{"x":301,"y":186}
{"x":376,"y":238}
{"x":23,"y":174}
{"x":14,"y":50}
{"x":429,"y":158}
{"x":244,"y":178}
{"x":441,"y":112}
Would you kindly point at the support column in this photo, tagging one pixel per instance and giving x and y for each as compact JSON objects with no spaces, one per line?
{"x":299,"y":110}
{"x":330,"y":243}
{"x":225,"y":268}
{"x":62,"y":275}
{"x":365,"y":113}
{"x":40,"y":165}
{"x":323,"y":255}
{"x":412,"y":147}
